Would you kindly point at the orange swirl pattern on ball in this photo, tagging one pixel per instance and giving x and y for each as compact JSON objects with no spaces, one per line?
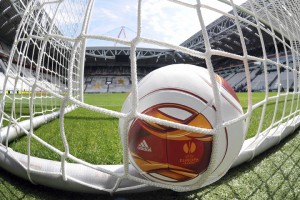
{"x":167,"y":153}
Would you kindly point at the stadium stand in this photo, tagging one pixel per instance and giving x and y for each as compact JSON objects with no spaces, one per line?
{"x":4,"y":49}
{"x":117,"y":79}
{"x":107,"y":84}
{"x":237,"y":78}
{"x":235,"y":75}
{"x":104,"y":79}
{"x":21,"y":87}
{"x":286,"y":80}
{"x":230,"y":75}
{"x":241,"y":86}
{"x":111,"y":63}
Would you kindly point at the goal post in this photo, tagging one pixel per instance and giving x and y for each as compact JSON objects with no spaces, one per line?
{"x":44,"y":80}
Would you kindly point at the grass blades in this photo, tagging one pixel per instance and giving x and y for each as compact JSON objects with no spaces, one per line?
{"x":94,"y":137}
{"x":91,"y":136}
{"x":273,"y":175}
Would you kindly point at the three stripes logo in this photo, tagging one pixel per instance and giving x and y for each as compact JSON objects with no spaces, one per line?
{"x":143,"y":146}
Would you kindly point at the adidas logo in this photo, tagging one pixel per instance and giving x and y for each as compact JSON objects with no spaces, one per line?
{"x":143,"y":146}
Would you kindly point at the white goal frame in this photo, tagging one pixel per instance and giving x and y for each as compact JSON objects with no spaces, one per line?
{"x":42,"y":28}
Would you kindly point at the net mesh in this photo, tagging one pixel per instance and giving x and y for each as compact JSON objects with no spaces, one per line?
{"x":45,"y":74}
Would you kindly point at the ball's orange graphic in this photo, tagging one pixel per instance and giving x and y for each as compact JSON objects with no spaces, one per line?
{"x":189,"y":147}
{"x":175,"y":155}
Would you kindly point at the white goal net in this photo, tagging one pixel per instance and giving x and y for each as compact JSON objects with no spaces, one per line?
{"x":44,"y":80}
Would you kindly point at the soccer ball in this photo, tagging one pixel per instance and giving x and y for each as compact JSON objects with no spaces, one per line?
{"x":182,"y":93}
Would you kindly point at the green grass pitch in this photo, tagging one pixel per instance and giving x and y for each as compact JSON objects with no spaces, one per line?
{"x":93,"y":136}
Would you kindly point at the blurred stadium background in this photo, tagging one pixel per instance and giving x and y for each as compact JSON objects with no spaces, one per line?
{"x":107,"y":69}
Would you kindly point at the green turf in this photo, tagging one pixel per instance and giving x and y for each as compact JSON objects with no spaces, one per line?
{"x":257,"y":114}
{"x":273,"y":175}
{"x":93,"y":136}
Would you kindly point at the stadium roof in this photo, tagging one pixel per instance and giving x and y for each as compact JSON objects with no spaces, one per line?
{"x":223,"y":36}
{"x":110,"y":55}
{"x":222,"y":33}
{"x":10,"y":17}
